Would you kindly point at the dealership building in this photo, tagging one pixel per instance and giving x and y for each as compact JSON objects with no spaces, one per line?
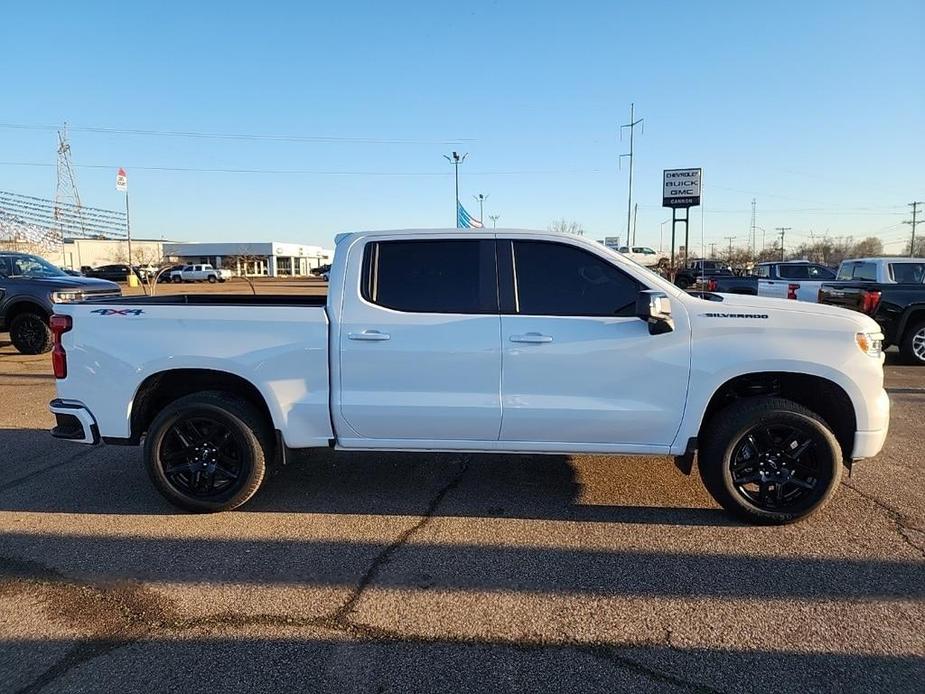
{"x":261,"y":258}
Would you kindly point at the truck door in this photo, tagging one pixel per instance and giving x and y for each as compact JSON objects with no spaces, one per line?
{"x":769,"y":284}
{"x":419,"y":341}
{"x":578,"y":366}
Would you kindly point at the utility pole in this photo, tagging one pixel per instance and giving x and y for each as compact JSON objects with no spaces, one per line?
{"x":730,"y":239}
{"x":913,"y":222}
{"x":67,"y":197}
{"x":782,"y":230}
{"x":629,"y":200}
{"x":661,"y":231}
{"x":456,"y":160}
{"x":494,"y":220}
{"x":635,"y":212}
{"x":481,"y":197}
{"x":712,"y":249}
{"x":753,"y":238}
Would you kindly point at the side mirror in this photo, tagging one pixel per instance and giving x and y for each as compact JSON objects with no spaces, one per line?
{"x":655,"y":309}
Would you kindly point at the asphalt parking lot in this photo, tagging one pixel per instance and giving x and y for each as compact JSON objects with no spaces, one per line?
{"x":402,"y":573}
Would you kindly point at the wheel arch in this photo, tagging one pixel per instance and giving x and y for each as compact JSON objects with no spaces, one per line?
{"x":821,"y":395}
{"x":160,"y":389}
{"x":25,"y":305}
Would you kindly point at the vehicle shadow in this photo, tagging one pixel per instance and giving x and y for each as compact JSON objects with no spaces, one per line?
{"x":41,"y":474}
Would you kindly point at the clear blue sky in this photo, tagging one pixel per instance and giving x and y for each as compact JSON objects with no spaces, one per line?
{"x":817,"y":109}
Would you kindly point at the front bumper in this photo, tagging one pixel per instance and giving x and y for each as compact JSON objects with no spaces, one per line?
{"x":868,"y":443}
{"x":73,"y":422}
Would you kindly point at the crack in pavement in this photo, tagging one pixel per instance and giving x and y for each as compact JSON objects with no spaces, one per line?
{"x":903,"y":526}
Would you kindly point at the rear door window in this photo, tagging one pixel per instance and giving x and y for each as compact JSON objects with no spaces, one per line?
{"x":764,"y":271}
{"x":866,"y":272}
{"x":793,"y":272}
{"x":557,"y":279}
{"x":820,"y":272}
{"x":439,"y":276}
{"x":908,"y":272}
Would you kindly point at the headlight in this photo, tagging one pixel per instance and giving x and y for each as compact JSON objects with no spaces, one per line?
{"x":64,"y":297}
{"x":870,"y":343}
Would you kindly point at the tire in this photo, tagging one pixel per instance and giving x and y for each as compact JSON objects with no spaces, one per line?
{"x":212,"y":279}
{"x":912,"y":345}
{"x":208,"y":452}
{"x":30,"y":334}
{"x":746,"y":445}
{"x":176,"y":279}
{"x":682,"y":282}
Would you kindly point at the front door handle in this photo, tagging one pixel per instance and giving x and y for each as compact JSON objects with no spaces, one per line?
{"x":369,"y":336}
{"x":533,"y":338}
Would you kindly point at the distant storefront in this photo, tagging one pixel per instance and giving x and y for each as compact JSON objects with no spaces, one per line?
{"x":263,"y":258}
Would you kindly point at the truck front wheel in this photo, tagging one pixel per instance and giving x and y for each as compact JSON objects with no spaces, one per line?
{"x":769,"y":461}
{"x":208,"y":452}
{"x":30,"y":334}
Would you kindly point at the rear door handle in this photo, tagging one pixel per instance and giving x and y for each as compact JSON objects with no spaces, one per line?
{"x":533,"y":338}
{"x":369,"y":336}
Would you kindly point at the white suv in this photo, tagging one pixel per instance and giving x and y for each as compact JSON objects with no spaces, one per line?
{"x":200,"y":273}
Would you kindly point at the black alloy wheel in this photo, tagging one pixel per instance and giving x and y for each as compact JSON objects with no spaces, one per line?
{"x":208,"y":451}
{"x":30,"y":334}
{"x":201,"y":456}
{"x":769,"y":460}
{"x":775,"y":467}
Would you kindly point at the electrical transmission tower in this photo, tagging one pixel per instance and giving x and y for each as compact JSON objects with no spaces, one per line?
{"x":67,"y":197}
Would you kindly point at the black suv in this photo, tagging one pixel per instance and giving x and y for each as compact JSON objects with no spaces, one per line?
{"x":30,"y":287}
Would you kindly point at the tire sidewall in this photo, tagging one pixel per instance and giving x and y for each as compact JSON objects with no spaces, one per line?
{"x":908,"y":352}
{"x":253,"y":464}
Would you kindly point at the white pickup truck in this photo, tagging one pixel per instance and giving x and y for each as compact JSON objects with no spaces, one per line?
{"x":502,"y":341}
{"x":200,"y":273}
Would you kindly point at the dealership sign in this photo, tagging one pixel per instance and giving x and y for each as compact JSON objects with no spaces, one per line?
{"x":681,"y":188}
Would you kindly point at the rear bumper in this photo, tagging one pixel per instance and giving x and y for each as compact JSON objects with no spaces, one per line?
{"x":73,"y":422}
{"x":868,"y":443}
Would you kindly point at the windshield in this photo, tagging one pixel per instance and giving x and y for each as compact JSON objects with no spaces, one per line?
{"x":29,"y":266}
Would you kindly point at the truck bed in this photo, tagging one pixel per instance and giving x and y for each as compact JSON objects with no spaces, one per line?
{"x":215,"y":300}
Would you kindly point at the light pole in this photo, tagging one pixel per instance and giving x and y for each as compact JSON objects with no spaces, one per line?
{"x":481,"y":197}
{"x":661,"y":231}
{"x":456,"y":160}
{"x":494,"y":220}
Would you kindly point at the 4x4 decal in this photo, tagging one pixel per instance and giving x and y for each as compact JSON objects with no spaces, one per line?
{"x":118,"y":311}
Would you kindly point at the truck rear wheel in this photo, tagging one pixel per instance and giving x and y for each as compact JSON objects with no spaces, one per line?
{"x":30,"y":334}
{"x":912,"y":345}
{"x":212,"y":279}
{"x":770,"y":461}
{"x":208,"y":452}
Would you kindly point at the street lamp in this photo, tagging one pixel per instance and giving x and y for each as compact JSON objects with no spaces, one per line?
{"x":456,"y":160}
{"x":661,"y":230}
{"x":494,"y":220}
{"x":481,"y":200}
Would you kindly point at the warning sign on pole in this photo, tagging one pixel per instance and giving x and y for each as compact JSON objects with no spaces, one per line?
{"x":121,"y":181}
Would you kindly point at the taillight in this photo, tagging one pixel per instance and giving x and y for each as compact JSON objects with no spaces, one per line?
{"x":792,"y":291}
{"x":711,"y":285}
{"x":870,"y":300}
{"x":59,"y":325}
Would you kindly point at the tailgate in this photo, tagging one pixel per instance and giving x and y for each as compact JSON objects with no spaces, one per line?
{"x":845,"y":296}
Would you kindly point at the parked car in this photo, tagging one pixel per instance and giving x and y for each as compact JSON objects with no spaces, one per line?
{"x":118,"y":272}
{"x":200,"y":273}
{"x":795,"y":279}
{"x":165,"y":274}
{"x":898,"y":307}
{"x":71,"y":272}
{"x":700,"y":270}
{"x":30,"y":289}
{"x":645,"y":256}
{"x":321,"y":270}
{"x":895,"y":270}
{"x":425,"y":337}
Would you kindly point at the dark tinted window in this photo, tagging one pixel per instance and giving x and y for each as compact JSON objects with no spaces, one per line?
{"x":452,"y":276}
{"x":793,"y":272}
{"x":902,"y":272}
{"x":764,"y":271}
{"x":866,"y":272}
{"x":555,"y":279}
{"x":4,"y":266}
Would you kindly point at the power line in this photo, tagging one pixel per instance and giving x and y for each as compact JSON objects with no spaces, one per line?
{"x":242,"y":136}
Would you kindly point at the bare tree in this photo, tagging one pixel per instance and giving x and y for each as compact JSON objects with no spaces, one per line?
{"x":564,"y":226}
